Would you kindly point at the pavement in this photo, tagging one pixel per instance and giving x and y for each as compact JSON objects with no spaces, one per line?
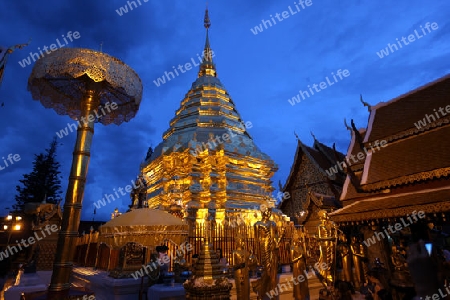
{"x":313,"y":283}
{"x":6,"y":282}
{"x":314,"y":289}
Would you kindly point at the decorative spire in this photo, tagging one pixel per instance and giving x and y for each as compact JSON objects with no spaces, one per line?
{"x":4,"y":53}
{"x":207,"y":67}
{"x":207,"y":21}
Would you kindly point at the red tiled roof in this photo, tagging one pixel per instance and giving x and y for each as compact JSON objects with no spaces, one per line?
{"x":401,"y":113}
{"x":423,"y":153}
{"x":319,"y":158}
{"x":349,"y":190}
{"x":355,"y":150}
{"x":328,"y":152}
{"x":350,"y":193}
{"x":429,"y":201}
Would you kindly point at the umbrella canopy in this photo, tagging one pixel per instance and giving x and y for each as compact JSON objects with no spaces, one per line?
{"x":150,"y":227}
{"x":61,"y":78}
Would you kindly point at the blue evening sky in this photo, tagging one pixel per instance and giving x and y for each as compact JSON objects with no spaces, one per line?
{"x":304,"y":46}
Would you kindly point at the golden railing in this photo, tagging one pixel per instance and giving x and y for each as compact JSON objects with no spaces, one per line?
{"x":92,"y":254}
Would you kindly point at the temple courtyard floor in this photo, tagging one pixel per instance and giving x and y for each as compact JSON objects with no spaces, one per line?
{"x":107,"y":288}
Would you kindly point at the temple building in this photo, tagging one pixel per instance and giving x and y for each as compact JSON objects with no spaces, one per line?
{"x":312,"y":184}
{"x":399,"y":190}
{"x":207,"y":158}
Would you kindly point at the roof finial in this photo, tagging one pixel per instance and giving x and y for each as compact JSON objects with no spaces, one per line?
{"x":207,"y":21}
{"x":314,"y":137}
{"x":358,"y":136}
{"x":346,"y":125}
{"x":369,"y":107}
{"x":207,"y":67}
{"x":280,"y":186}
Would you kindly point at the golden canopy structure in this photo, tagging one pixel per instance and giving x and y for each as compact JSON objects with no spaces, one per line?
{"x":91,"y":87}
{"x":150,"y":227}
{"x":62,"y":78}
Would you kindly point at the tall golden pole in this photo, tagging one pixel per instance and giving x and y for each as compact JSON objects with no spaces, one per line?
{"x":62,"y":266}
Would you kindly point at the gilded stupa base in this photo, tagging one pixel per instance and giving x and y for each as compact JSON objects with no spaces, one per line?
{"x":208,"y":281}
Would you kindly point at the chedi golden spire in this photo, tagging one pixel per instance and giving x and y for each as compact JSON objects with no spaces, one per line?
{"x":207,"y":67}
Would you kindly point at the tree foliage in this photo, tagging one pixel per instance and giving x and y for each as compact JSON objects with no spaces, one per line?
{"x":43,"y":183}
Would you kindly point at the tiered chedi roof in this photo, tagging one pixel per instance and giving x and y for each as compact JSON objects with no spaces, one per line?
{"x":207,"y":154}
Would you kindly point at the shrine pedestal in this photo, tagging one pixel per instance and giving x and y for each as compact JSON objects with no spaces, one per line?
{"x":26,"y":283}
{"x":105,"y":287}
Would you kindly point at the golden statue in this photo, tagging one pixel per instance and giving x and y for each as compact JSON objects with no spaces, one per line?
{"x":179,"y":265}
{"x":346,"y":258}
{"x":326,"y":238}
{"x":252,"y":263}
{"x":266,"y":233}
{"x":241,"y":269}
{"x":298,"y":256}
{"x":398,"y":260}
{"x":362,"y":252}
{"x":401,"y":275}
{"x":357,"y":262}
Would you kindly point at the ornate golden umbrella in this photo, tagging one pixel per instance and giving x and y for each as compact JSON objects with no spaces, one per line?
{"x":90,"y":87}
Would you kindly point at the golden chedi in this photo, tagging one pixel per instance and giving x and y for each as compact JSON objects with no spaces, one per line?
{"x":208,"y":156}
